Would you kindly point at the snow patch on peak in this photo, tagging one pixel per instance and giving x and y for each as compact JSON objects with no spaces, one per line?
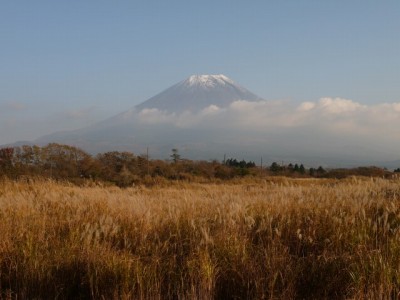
{"x":208,"y":80}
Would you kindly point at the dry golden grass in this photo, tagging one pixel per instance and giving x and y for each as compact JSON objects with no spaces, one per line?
{"x":276,"y":238}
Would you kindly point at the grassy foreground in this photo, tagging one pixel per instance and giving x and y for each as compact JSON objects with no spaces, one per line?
{"x":265,"y":239}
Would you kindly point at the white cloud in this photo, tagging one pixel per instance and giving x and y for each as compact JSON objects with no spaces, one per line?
{"x":338,"y":105}
{"x":212,"y":109}
{"x":306,"y":106}
{"x":185,"y":119}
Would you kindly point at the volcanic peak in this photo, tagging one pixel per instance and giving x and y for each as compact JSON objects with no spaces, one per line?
{"x":197,"y":93}
{"x":207,"y":80}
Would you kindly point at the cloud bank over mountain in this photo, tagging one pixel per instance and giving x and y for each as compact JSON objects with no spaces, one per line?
{"x":329,"y":127}
{"x":331,"y":115}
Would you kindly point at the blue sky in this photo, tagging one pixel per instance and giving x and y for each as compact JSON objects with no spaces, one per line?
{"x":68,"y":64}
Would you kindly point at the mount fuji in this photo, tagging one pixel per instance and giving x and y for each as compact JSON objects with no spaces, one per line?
{"x":165,"y":121}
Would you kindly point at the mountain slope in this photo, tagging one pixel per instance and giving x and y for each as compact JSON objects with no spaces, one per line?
{"x":132,"y":131}
{"x":198,"y":92}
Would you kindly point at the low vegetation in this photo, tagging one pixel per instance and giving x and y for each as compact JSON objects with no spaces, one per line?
{"x":247,"y":238}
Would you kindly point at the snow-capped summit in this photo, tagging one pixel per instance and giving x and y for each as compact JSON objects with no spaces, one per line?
{"x":198,"y":92}
{"x":208,"y":80}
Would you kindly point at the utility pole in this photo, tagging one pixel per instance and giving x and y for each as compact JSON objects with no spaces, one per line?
{"x":147,"y":155}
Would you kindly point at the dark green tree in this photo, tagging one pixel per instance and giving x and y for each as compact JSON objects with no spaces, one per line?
{"x":302,"y":170}
{"x":175,"y":155}
{"x":274,"y":167}
{"x":6,"y":161}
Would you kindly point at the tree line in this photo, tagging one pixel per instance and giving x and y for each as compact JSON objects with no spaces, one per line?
{"x":64,"y":162}
{"x":70,"y":163}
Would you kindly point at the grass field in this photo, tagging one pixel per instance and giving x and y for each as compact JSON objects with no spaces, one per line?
{"x":276,"y":238}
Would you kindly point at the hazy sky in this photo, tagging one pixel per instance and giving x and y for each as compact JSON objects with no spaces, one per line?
{"x":68,"y":64}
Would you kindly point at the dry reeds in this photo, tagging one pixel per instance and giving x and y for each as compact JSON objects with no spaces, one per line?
{"x":265,"y":239}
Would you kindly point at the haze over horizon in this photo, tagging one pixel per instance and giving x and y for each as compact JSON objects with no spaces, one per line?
{"x":331,"y":66}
